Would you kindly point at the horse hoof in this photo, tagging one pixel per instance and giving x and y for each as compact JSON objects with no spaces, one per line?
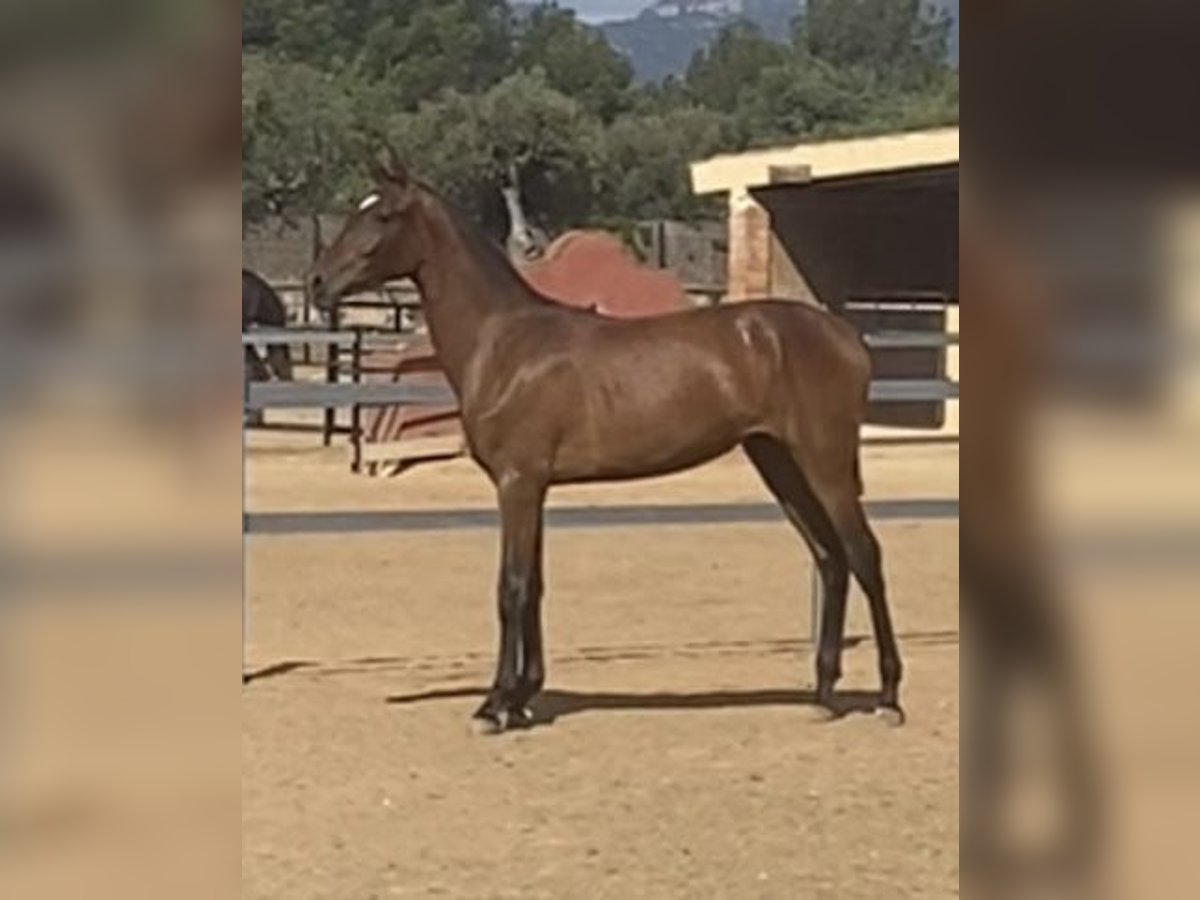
{"x":820,"y":715}
{"x":519,"y":717}
{"x":892,"y":716}
{"x":484,"y":724}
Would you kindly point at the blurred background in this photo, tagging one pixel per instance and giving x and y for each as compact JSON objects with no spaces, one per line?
{"x":123,"y":202}
{"x":119,"y":450}
{"x":1081,"y":539}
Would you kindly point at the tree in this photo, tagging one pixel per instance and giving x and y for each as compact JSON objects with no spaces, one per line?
{"x":416,"y":48}
{"x":578,"y":61}
{"x":800,"y":98}
{"x":470,"y":93}
{"x":468,"y":145}
{"x":299,"y":140}
{"x":321,"y":33}
{"x":854,"y":67}
{"x":646,"y":163}
{"x":718,"y":76}
{"x":903,"y":43}
{"x":429,"y":46}
{"x":661,"y":96}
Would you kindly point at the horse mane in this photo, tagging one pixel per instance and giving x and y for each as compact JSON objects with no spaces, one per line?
{"x":486,"y":250}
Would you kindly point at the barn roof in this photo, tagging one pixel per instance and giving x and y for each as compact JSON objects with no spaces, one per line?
{"x":806,"y":163}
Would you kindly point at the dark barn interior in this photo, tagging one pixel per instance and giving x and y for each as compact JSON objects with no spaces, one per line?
{"x":882,"y":250}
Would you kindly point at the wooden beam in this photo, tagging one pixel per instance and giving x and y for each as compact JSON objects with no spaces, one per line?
{"x":792,"y":174}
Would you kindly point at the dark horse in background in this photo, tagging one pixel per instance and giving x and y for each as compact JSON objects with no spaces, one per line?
{"x":263,"y":307}
{"x":555,"y":395}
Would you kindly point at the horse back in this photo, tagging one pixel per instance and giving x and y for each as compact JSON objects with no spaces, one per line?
{"x":261,"y":305}
{"x":602,"y":399}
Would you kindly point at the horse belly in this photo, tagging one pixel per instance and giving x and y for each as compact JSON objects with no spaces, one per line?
{"x":654,"y":429}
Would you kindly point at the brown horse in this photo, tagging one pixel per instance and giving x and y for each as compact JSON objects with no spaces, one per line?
{"x":261,"y":305}
{"x":553,"y":395}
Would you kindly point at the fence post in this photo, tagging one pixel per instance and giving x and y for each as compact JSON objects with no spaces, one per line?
{"x":306,"y":321}
{"x":356,"y":409}
{"x":332,"y":363}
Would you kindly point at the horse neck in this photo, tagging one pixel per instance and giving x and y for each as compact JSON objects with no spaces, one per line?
{"x":464,"y":282}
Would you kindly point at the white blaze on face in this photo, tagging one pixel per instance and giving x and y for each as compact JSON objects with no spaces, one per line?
{"x":369,"y":201}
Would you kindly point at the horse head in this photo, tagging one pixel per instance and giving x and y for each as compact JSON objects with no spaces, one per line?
{"x":381,"y":241}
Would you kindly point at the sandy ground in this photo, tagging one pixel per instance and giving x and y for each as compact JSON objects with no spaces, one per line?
{"x":681,"y":761}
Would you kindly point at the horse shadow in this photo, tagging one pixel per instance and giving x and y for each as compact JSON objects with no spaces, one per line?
{"x":554,"y":704}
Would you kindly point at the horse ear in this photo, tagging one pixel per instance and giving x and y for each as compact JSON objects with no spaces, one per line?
{"x":391,"y":180}
{"x":396,"y":169}
{"x":380,"y":173}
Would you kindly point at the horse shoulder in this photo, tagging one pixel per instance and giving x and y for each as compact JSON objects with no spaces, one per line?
{"x":520,"y":382}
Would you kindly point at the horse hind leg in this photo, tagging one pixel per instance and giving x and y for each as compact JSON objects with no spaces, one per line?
{"x":787,"y":483}
{"x":279,"y":358}
{"x":838,"y":487}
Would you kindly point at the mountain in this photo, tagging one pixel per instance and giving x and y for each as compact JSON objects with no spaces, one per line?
{"x":658,"y":47}
{"x":523,"y":9}
{"x":662,"y":39}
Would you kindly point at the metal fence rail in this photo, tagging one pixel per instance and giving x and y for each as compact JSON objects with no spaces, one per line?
{"x":345,"y":338}
{"x":344,"y":357}
{"x":909,"y":340}
{"x":912,"y":390}
{"x":262,"y":337}
{"x":260,"y":395}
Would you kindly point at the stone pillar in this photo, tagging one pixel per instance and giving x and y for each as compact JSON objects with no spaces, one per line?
{"x":749,"y":248}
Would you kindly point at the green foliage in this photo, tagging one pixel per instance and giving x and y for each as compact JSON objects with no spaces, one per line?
{"x":415,"y":48}
{"x":645,"y":155}
{"x":903,"y":43}
{"x":465,"y":91}
{"x":800,"y":97}
{"x":435,"y":45}
{"x":577,"y":60}
{"x":854,"y":67}
{"x":468,"y":144}
{"x":298,"y":139}
{"x":718,"y":76}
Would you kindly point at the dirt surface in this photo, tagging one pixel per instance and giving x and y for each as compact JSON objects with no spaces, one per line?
{"x":682,"y":759}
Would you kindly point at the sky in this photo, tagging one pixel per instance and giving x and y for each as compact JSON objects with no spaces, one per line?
{"x":601,"y":10}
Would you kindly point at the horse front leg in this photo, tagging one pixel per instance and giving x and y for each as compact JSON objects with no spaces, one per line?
{"x":533,"y":668}
{"x":521,"y":500}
